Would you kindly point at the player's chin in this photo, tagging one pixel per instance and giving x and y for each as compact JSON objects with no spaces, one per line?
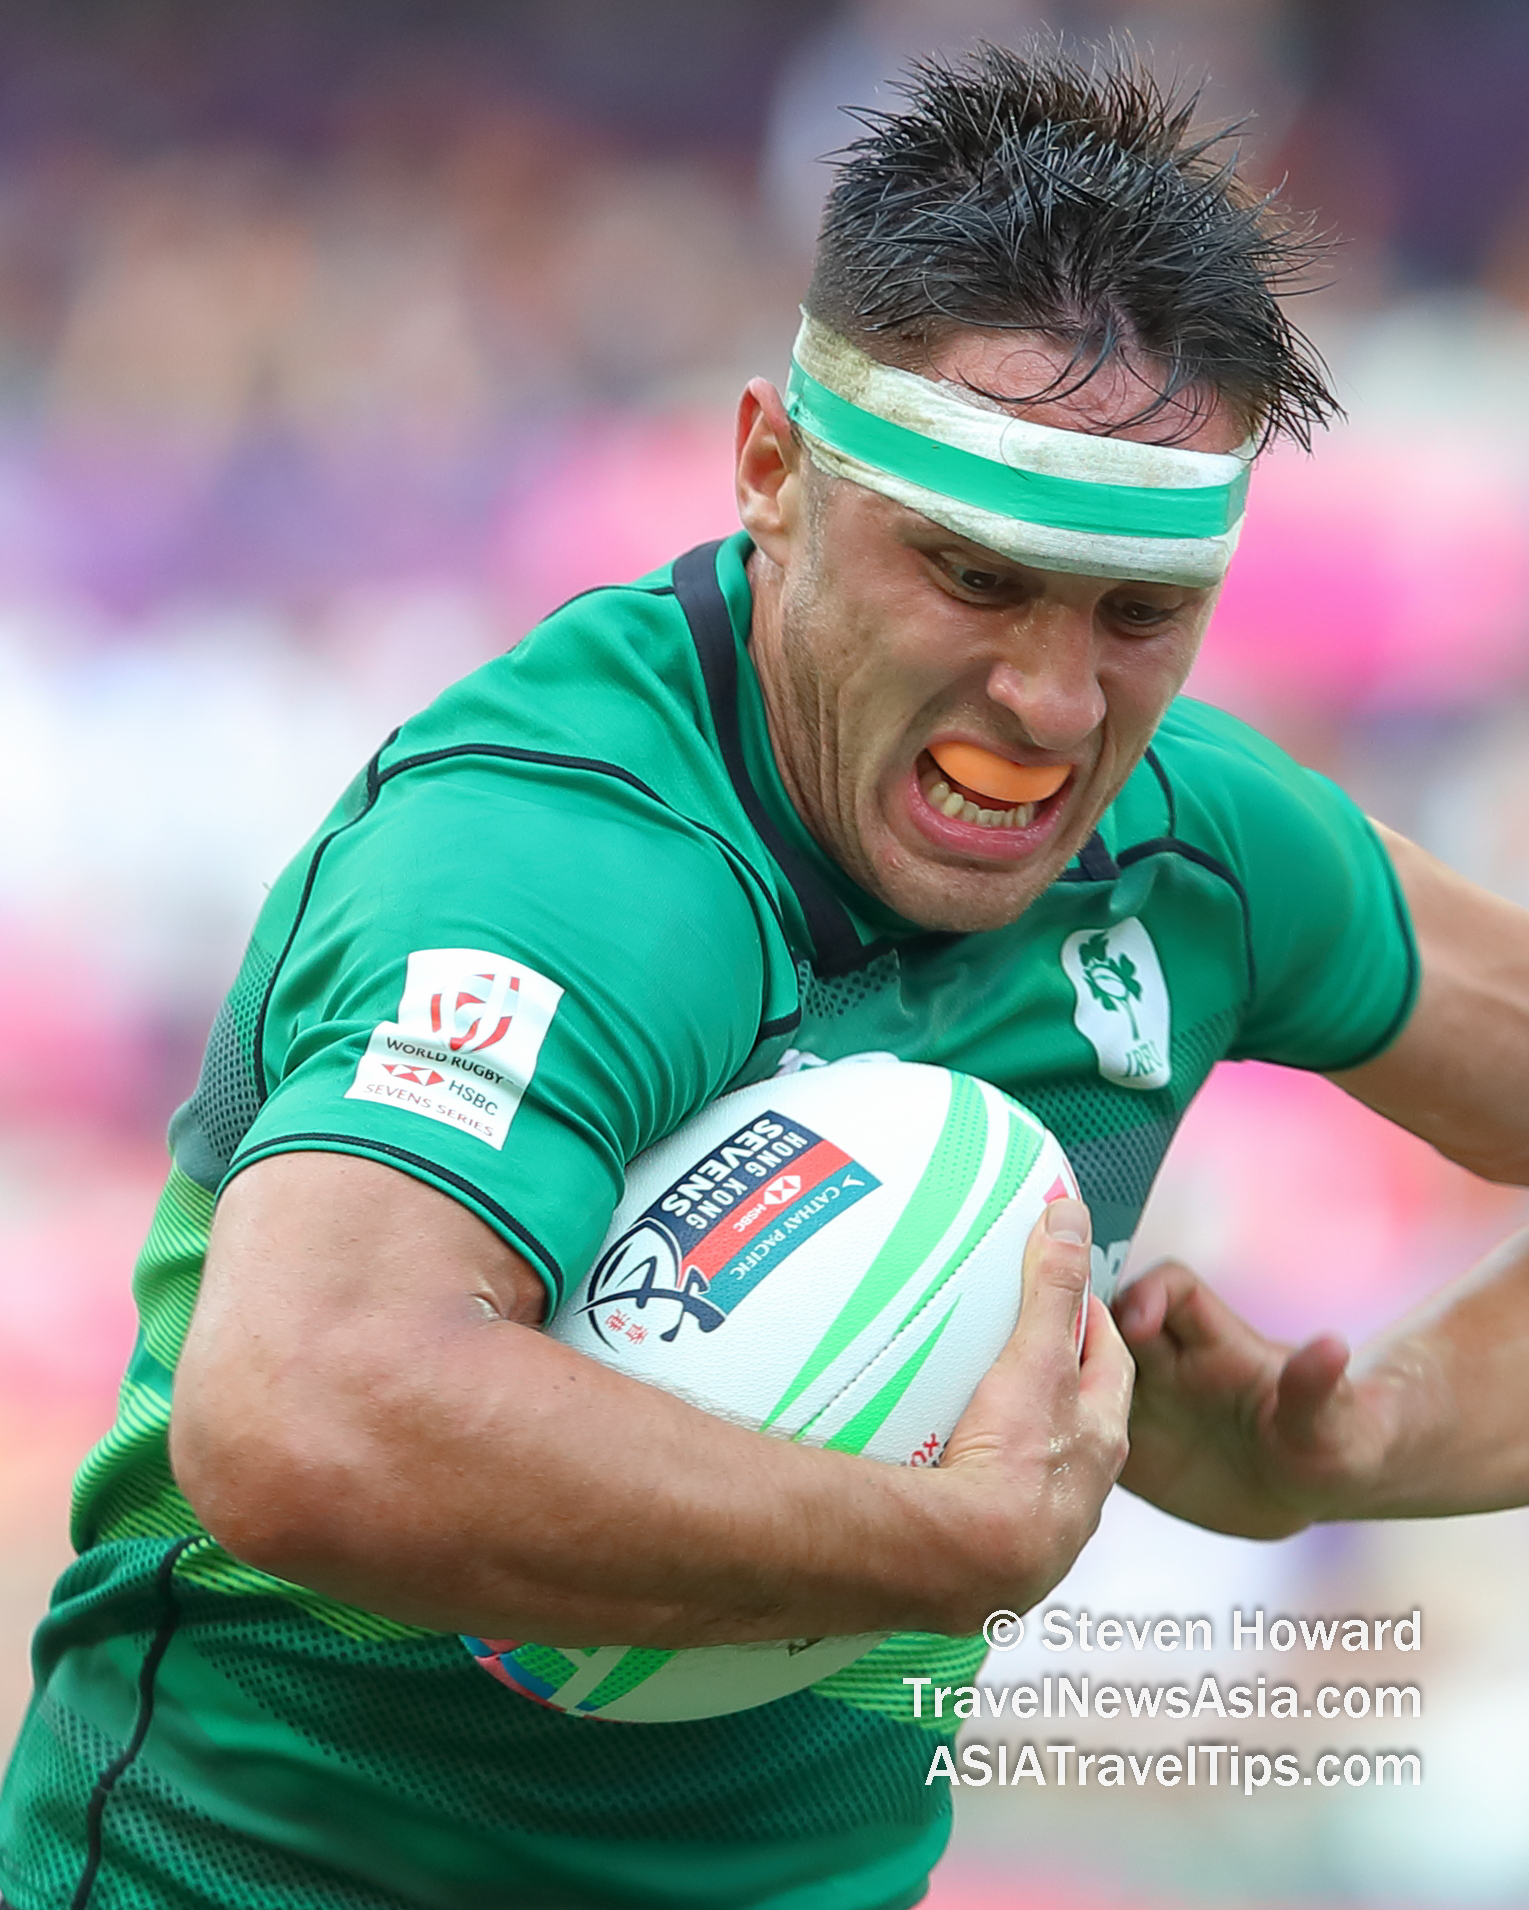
{"x":959,"y":898}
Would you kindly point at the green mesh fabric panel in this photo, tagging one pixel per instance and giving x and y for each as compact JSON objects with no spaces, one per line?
{"x":62,"y":1756}
{"x":125,"y":1489}
{"x":1116,"y":1169}
{"x":164,"y":1852}
{"x":126,"y":1477}
{"x":206,"y":1132}
{"x":157,"y":1849}
{"x":421,"y":1717}
{"x":1201,"y":1045}
{"x":875,"y":1683}
{"x":831,"y":997}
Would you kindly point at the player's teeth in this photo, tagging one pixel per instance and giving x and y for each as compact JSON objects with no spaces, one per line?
{"x":952,"y":803}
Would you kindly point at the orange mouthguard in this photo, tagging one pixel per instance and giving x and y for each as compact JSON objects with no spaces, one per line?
{"x":996,"y":777}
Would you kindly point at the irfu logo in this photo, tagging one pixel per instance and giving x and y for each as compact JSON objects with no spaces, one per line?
{"x":1111,"y":977}
{"x":1122,"y":1002}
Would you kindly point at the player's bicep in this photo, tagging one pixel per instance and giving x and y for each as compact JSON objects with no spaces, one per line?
{"x":1455,"y":1075}
{"x":325,"y":1275}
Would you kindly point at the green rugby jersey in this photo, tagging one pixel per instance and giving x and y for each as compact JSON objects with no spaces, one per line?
{"x":561,"y":910}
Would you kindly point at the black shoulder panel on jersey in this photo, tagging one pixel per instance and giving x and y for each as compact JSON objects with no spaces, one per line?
{"x":837,"y":949}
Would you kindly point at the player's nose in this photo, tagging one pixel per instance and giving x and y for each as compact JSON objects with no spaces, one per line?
{"x":1048,"y":676}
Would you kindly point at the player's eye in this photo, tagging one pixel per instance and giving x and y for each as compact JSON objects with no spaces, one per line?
{"x":1141,"y":614}
{"x":976,"y":581}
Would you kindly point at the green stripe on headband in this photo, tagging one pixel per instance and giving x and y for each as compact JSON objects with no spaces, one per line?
{"x":1068,"y":504}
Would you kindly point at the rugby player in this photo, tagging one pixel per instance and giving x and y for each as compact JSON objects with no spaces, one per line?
{"x":902,"y":767}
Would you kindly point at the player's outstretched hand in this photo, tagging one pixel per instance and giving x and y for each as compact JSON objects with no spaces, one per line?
{"x":1044,"y":1437}
{"x":1238,"y":1432}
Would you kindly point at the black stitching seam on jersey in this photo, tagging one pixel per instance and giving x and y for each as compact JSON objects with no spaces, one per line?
{"x":594,"y":590}
{"x":1171,"y":846}
{"x":768,"y":1030}
{"x":1170,"y":801}
{"x":373,"y":773}
{"x":374,"y":782}
{"x":95,"y":1809}
{"x":837,"y":949}
{"x":375,"y":778}
{"x":593,"y":763}
{"x":282,"y":1143}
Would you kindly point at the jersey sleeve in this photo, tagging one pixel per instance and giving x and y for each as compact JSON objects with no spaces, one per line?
{"x":509,"y":988}
{"x":1332,"y":960}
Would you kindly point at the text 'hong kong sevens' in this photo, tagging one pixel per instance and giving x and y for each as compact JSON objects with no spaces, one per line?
{"x":709,"y":1239}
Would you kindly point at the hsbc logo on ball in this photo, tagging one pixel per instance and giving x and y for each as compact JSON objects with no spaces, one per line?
{"x":464,"y":1047}
{"x":784,"y":1189}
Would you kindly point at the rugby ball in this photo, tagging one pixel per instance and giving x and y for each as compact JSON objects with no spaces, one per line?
{"x":831,"y":1256}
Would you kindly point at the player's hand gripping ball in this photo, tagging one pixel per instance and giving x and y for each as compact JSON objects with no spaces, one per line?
{"x":831,"y":1256}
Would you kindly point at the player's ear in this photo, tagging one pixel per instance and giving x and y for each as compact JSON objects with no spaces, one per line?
{"x":769,"y":470}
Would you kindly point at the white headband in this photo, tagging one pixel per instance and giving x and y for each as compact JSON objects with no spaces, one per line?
{"x":1060,"y":500}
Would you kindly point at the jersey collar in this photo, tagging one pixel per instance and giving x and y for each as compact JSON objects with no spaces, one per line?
{"x":848,"y":926}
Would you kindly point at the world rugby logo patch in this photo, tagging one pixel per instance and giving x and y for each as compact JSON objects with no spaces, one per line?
{"x":463,"y":1049}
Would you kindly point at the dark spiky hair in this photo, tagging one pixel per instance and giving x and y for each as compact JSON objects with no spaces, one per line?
{"x":1026,"y":192}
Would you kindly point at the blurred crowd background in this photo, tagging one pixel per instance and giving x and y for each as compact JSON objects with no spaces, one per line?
{"x":338,"y":342}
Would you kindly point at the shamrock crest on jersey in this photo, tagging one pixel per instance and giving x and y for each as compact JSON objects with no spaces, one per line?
{"x":1122,"y":1002}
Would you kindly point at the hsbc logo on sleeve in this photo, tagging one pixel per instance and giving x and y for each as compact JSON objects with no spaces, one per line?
{"x":464,"y":1047}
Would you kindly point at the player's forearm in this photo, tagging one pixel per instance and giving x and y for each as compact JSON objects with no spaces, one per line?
{"x":1451,"y":1378}
{"x":364,"y":1405}
{"x":501,"y":1484}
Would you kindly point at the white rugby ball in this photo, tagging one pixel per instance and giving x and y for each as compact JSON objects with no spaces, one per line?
{"x":831,"y":1256}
